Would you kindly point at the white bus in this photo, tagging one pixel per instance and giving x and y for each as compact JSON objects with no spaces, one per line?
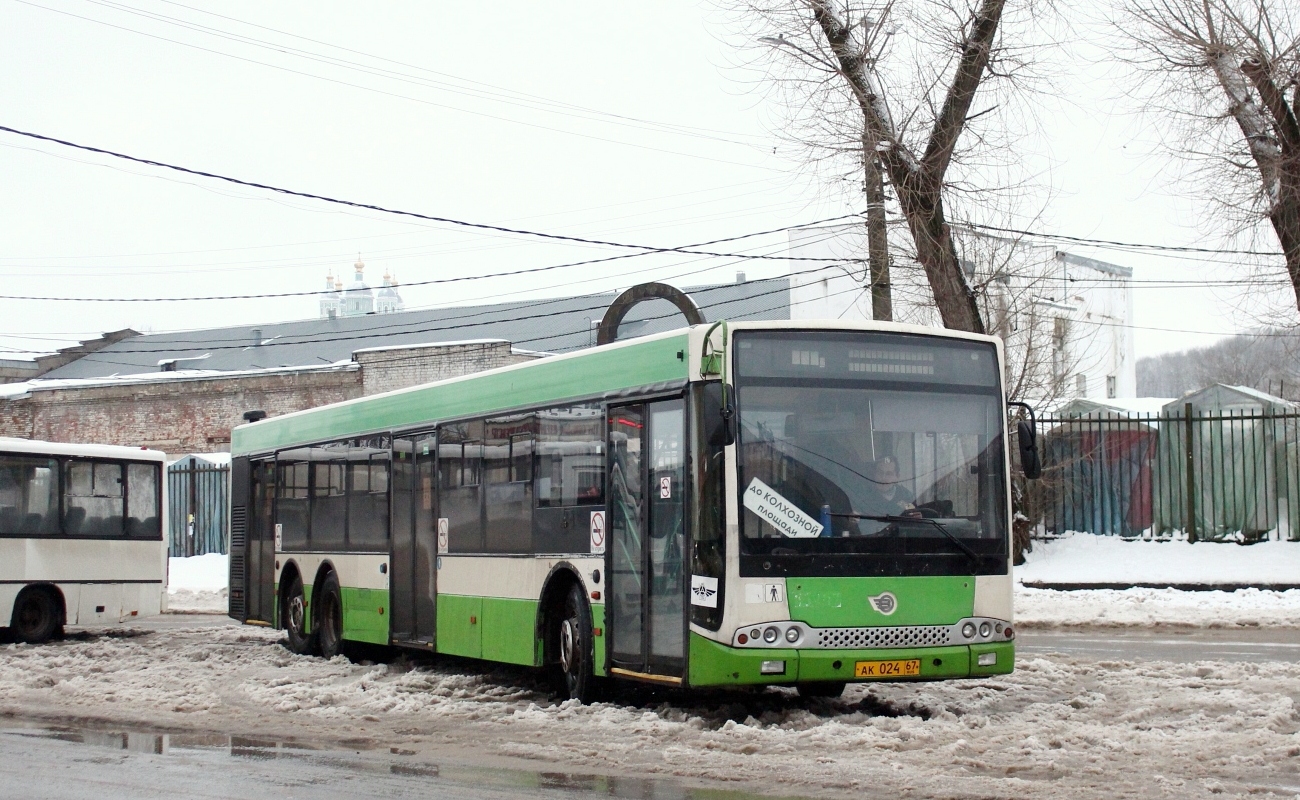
{"x":81,"y":536}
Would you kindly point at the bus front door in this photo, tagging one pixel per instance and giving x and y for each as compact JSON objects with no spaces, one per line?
{"x":645,"y":552}
{"x":414,"y":569}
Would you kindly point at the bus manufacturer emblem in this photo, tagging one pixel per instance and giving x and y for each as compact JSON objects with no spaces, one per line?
{"x":885,"y":603}
{"x":704,"y":591}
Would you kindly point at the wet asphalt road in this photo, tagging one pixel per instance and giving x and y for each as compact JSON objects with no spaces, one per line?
{"x":40,"y":761}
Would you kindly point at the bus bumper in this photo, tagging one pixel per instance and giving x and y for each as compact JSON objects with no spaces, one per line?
{"x":716,"y":664}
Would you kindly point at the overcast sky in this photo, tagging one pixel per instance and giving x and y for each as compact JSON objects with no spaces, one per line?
{"x":614,"y":121}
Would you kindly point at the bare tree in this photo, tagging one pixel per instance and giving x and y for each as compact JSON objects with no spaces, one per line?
{"x":911,"y":129}
{"x":1224,"y":69}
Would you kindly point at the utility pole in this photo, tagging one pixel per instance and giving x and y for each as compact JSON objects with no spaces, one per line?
{"x":882,"y":303}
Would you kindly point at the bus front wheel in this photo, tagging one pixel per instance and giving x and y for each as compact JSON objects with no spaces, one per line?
{"x":329,"y":617}
{"x":575,"y":644}
{"x":821,"y":689}
{"x":293,"y":615}
{"x":36,"y":616}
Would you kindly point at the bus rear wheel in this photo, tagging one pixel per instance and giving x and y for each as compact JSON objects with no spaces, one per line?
{"x":36,"y":616}
{"x":293,"y":615}
{"x":329,"y":617}
{"x":575,"y":641}
{"x":821,"y":689}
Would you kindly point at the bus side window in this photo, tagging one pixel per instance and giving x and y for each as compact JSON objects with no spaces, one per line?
{"x":142,"y":520}
{"x":507,"y":484}
{"x":368,"y":496}
{"x":291,"y":504}
{"x":93,"y":499}
{"x":571,"y":456}
{"x":460,"y":456}
{"x":29,"y":496}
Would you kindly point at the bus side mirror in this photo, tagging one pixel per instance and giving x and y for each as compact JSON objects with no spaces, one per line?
{"x":1027,"y":438}
{"x":719,"y":419}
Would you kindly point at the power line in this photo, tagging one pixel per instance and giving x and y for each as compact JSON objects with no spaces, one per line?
{"x":646,"y":249}
{"x":489,"y":91}
{"x":384,"y":92}
{"x":1132,"y":245}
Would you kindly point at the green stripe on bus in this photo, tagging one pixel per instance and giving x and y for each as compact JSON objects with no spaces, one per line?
{"x":494,"y":628}
{"x":545,"y":381}
{"x":365,"y":615}
{"x":846,"y":602}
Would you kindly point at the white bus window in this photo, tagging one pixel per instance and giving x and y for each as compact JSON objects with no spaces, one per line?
{"x":93,"y":499}
{"x":29,"y":496}
{"x":142,"y":520}
{"x":571,"y":456}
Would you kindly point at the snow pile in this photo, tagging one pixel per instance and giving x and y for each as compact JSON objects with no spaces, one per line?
{"x":1243,"y":608}
{"x":1085,"y":558}
{"x":198,"y":584}
{"x":1056,"y":728}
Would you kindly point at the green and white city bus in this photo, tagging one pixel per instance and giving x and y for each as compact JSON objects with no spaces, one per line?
{"x":794,"y":503}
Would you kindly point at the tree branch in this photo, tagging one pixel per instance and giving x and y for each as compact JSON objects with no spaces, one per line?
{"x":976,"y":51}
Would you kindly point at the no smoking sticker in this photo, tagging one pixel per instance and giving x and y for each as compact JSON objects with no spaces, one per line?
{"x":598,"y":531}
{"x":443,"y":526}
{"x":665,"y":487}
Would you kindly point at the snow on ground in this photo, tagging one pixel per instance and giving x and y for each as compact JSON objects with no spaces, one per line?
{"x":198,"y":583}
{"x":1058,"y":727}
{"x":1244,"y":608}
{"x":1085,"y":558}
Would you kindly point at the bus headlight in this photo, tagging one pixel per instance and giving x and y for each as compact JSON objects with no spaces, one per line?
{"x":986,"y":630}
{"x":968,"y":630}
{"x":792,"y":635}
{"x":770,"y":635}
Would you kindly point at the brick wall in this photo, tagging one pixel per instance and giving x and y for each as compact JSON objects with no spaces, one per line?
{"x":384,"y":370}
{"x":189,"y":415}
{"x":176,"y":416}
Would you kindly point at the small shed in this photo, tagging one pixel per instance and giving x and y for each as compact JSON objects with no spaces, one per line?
{"x":198,"y":496}
{"x":1097,"y":457}
{"x":1243,"y":477}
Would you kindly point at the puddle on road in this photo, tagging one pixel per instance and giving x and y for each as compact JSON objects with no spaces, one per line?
{"x":363,"y":756}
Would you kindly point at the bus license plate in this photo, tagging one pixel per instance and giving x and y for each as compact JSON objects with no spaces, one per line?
{"x":901,"y":668}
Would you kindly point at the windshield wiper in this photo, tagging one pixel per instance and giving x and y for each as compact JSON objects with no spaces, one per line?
{"x":897,"y":518}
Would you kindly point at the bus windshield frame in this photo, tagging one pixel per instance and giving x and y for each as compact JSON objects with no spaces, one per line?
{"x":869,"y":453}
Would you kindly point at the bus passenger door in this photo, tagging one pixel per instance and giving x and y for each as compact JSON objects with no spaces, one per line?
{"x":645,"y":552}
{"x":412,"y":580}
{"x":259,"y":587}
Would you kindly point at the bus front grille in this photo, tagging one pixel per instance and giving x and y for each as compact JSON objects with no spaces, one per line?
{"x":903,"y":636}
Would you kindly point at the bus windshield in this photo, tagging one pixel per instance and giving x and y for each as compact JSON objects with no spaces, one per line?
{"x":869,"y":454}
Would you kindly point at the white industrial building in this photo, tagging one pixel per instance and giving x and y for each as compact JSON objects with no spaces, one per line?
{"x":1066,"y":319}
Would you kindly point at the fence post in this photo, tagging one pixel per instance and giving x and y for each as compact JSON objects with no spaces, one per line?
{"x":1191,"y":473}
{"x":193,"y":518}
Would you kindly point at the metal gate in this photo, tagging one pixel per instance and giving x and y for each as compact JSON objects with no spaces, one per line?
{"x":198,"y":497}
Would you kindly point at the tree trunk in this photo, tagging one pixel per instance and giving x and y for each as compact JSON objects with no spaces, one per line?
{"x":938,"y":256}
{"x":882,"y":302}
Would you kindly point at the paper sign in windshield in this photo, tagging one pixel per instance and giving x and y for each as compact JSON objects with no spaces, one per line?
{"x":780,"y":513}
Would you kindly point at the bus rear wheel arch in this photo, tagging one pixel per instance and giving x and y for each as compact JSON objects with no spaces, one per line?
{"x":38,"y":614}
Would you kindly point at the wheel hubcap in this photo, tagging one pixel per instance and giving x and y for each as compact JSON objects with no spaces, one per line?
{"x":568,"y":641}
{"x":296,"y":613}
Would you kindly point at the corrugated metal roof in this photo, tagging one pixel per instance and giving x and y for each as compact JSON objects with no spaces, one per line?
{"x":555,"y":325}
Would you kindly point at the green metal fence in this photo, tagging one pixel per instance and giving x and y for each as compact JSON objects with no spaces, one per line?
{"x":1214,"y":476}
{"x":197,"y":496}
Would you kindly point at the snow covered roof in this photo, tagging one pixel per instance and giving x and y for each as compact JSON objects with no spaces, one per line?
{"x":1221,"y":396}
{"x":18,"y":391}
{"x":1125,"y":406}
{"x":557,"y":325}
